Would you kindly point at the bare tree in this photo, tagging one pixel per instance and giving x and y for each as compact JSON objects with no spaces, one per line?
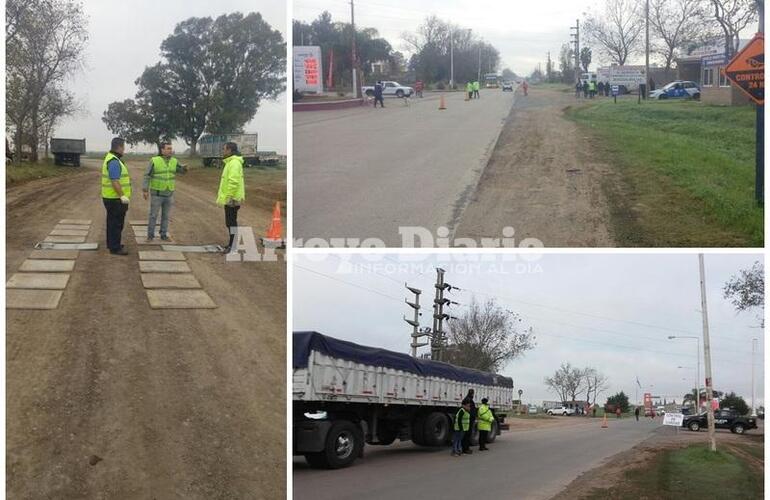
{"x":618,"y":30}
{"x":733,"y":16}
{"x":747,"y":290}
{"x":675,"y":25}
{"x":595,"y":382}
{"x":486,"y":337}
{"x":567,"y":382}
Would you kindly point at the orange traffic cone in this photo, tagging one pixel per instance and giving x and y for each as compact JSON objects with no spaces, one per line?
{"x":273,"y":238}
{"x":441,"y":104}
{"x":604,"y":422}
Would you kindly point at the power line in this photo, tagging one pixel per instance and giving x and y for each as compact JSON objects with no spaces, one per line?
{"x":348,"y":283}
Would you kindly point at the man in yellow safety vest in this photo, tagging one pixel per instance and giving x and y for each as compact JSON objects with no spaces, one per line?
{"x":116,"y":193}
{"x":159,"y":184}
{"x":231,"y":188}
{"x":485,"y":419}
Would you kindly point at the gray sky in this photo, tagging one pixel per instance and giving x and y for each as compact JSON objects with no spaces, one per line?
{"x":610,"y":311}
{"x":523,"y":31}
{"x":130,"y":34}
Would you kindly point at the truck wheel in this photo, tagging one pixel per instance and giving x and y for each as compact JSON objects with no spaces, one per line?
{"x":343,"y":445}
{"x":418,"y":430}
{"x":494,"y":432}
{"x":694,"y":426}
{"x":369,"y":93}
{"x":435,"y":429}
{"x":738,"y":429}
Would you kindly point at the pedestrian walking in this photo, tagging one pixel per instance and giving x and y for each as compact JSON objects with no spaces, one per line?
{"x":578,"y":90}
{"x":159,"y":185}
{"x":606,"y":89}
{"x":468,"y":399}
{"x":378,"y":95}
{"x":617,"y":412}
{"x":232,"y":191}
{"x":462,"y":425}
{"x":525,"y":87}
{"x":485,"y":418}
{"x":600,"y":88}
{"x":592,"y":89}
{"x":418,"y":87}
{"x":476,"y":88}
{"x":116,"y":194}
{"x":469,"y":89}
{"x":636,"y":413}
{"x":585,"y":89}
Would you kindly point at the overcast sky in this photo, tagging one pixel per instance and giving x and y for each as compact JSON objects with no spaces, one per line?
{"x":125,"y":37}
{"x":523,"y":31}
{"x":612,"y":312}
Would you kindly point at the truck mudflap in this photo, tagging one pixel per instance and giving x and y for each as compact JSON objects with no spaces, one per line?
{"x":501,"y":424}
{"x":310,"y":435}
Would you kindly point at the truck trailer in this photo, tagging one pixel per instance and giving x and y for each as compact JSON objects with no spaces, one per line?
{"x":67,"y":151}
{"x":210,"y":148}
{"x":346,"y":395}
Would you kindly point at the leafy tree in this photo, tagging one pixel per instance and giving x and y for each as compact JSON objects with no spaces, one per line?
{"x":585,"y":58}
{"x":737,"y":403}
{"x":747,"y":289}
{"x":619,"y":399}
{"x":486,"y":337}
{"x":567,"y":64}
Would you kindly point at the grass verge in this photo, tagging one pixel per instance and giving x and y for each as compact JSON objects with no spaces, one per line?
{"x":683,"y":171}
{"x":17,"y":174}
{"x":673,"y":474}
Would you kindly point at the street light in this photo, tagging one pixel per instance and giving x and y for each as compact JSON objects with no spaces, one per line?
{"x":695,"y":401}
{"x":697,"y":385}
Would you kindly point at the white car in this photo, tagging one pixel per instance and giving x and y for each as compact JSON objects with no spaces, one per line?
{"x":678,"y":89}
{"x":392,"y":89}
{"x":508,"y":86}
{"x":562,"y":410}
{"x":532,"y":410}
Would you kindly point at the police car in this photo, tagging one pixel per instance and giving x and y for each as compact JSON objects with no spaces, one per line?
{"x":723,"y":419}
{"x":679,"y":89}
{"x":508,"y":86}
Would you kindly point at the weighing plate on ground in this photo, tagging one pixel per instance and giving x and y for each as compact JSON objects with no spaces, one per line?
{"x":39,"y":281}
{"x":180,"y":299}
{"x":32,"y":299}
{"x":49,"y":266}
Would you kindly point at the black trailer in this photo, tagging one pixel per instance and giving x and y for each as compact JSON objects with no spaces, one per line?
{"x":67,"y":151}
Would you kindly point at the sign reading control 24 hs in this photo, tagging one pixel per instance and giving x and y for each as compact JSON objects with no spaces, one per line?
{"x":747,"y":69}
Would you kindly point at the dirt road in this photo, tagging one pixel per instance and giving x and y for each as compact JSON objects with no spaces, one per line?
{"x":541,"y":180}
{"x":107,"y":398}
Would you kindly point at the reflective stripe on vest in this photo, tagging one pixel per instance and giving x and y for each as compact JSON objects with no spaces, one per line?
{"x":125,"y":180}
{"x":163,"y":174}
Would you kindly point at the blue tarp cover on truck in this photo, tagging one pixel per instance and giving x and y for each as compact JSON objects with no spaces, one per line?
{"x":304,"y":342}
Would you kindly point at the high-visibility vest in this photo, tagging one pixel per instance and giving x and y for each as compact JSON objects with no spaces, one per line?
{"x":125,"y":180}
{"x":469,"y":87}
{"x":462,"y":420}
{"x":231,"y":183}
{"x":476,"y":86}
{"x":163,"y":173}
{"x":485,"y":418}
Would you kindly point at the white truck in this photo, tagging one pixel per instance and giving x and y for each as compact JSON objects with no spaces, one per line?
{"x":627,"y":78}
{"x":389,"y":88}
{"x":210,"y":148}
{"x":345,"y":395}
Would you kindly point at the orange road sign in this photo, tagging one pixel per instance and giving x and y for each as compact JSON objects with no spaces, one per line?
{"x":747,"y":69}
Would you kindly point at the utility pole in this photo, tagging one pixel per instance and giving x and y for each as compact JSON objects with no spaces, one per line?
{"x":646,"y":46}
{"x":759,"y":180}
{"x":548,"y":67}
{"x":479,"y":77}
{"x":356,"y":89}
{"x":707,"y":353}
{"x":576,"y":34}
{"x":452,"y":60}
{"x":437,"y":341}
{"x":416,"y":334}
{"x":753,"y":349}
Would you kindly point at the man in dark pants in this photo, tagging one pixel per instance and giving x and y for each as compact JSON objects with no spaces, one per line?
{"x":116,"y":193}
{"x":636,"y":413}
{"x":231,"y":188}
{"x":467,"y":436}
{"x":485,"y":418}
{"x":378,"y":95}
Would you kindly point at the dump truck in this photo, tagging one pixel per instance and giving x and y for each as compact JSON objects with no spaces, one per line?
{"x":210,"y":148}
{"x":345,"y":395}
{"x":67,"y":151}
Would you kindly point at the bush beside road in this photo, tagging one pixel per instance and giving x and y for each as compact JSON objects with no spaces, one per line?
{"x":686,"y":171}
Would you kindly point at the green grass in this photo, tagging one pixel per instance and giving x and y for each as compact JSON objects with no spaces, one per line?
{"x":16,"y":174}
{"x":688,"y":473}
{"x":683,"y":172}
{"x":554,"y":86}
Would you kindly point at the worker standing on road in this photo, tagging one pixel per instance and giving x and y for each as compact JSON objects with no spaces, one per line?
{"x":472,"y":409}
{"x":525,"y":87}
{"x":578,"y":90}
{"x":462,"y":426}
{"x":486,"y":418}
{"x":159,"y":185}
{"x":592,"y":89}
{"x":617,"y":412}
{"x":116,"y":193}
{"x":600,"y":88}
{"x":469,"y":89}
{"x":378,"y":95}
{"x":476,"y":88}
{"x":636,"y":413}
{"x":231,"y":188}
{"x":418,"y":87}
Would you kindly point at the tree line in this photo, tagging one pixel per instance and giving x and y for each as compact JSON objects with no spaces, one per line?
{"x":212,"y":76}
{"x":617,"y":31}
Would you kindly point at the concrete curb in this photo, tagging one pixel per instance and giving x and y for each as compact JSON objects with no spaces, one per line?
{"x":332,"y":105}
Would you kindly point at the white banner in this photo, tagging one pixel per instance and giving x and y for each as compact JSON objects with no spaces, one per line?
{"x":307,"y":69}
{"x":674,"y":419}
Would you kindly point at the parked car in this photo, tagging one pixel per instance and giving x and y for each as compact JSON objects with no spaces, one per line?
{"x":390,"y":89}
{"x":532,"y":410}
{"x":562,"y":410}
{"x":508,"y":86}
{"x":723,"y":419}
{"x":678,"y":89}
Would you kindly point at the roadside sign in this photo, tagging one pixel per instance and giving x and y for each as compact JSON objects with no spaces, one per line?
{"x":674,"y":419}
{"x":615,"y":90}
{"x":307,"y":71}
{"x":714,"y":59}
{"x":747,"y":69}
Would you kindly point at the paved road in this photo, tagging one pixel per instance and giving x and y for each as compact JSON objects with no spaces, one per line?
{"x":533,"y":464}
{"x":362,"y":173}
